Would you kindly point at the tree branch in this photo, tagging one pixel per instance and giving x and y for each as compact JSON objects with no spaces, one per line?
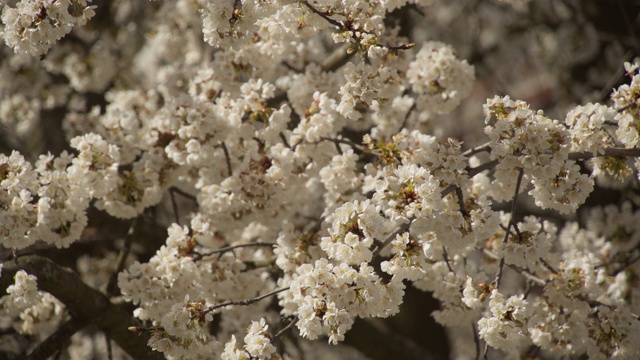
{"x":337,"y":59}
{"x":389,"y":239}
{"x":238,"y":246}
{"x":328,"y":19}
{"x":123,"y":254}
{"x":286,"y":328}
{"x":478,"y":149}
{"x":246,"y":301}
{"x":52,"y":344}
{"x":512,"y":221}
{"x":227,"y":157}
{"x":83,"y":302}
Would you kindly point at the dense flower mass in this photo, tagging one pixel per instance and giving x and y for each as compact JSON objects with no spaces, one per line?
{"x":32,"y":27}
{"x":245,"y":179}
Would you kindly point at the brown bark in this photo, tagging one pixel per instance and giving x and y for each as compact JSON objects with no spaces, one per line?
{"x":83,"y":302}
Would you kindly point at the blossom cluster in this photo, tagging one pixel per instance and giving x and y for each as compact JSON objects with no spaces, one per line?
{"x":329,"y":297}
{"x":292,"y":154}
{"x":29,"y":310}
{"x":32,"y":27}
{"x":48,"y":202}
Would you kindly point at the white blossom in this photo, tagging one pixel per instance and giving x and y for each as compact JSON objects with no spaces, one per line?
{"x":300,"y":160}
{"x":439,"y":79}
{"x":506,"y":327}
{"x":32,"y":27}
{"x":39,"y":313}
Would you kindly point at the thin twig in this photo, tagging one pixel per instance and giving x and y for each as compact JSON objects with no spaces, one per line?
{"x":624,"y":263}
{"x":478,"y":149}
{"x":395,"y":48}
{"x":291,"y":67}
{"x":445,"y":255}
{"x":331,"y":21}
{"x":529,"y":276}
{"x":123,"y":254}
{"x":404,"y":227}
{"x":596,"y":303}
{"x":524,"y":272}
{"x":182,"y":193}
{"x":471,"y":172}
{"x":145,"y":330}
{"x":232,"y":247}
{"x":356,"y":147}
{"x":476,"y":340}
{"x":496,"y":281}
{"x":461,"y":201}
{"x":174,"y":205}
{"x":548,"y":266}
{"x":300,"y":141}
{"x":527,"y":289}
{"x":286,"y":328}
{"x":244,"y":302}
{"x":348,"y":27}
{"x":517,"y":229}
{"x":284,"y":140}
{"x":338,"y":148}
{"x":406,"y":117}
{"x":228,"y":158}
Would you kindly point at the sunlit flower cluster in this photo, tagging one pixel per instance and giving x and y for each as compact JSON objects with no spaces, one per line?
{"x":285,"y":169}
{"x":32,"y":27}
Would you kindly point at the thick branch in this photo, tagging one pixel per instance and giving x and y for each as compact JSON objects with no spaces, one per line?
{"x":52,"y":344}
{"x":82,"y":301}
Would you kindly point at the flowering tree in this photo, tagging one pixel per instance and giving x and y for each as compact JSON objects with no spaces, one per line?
{"x":244,"y":179}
